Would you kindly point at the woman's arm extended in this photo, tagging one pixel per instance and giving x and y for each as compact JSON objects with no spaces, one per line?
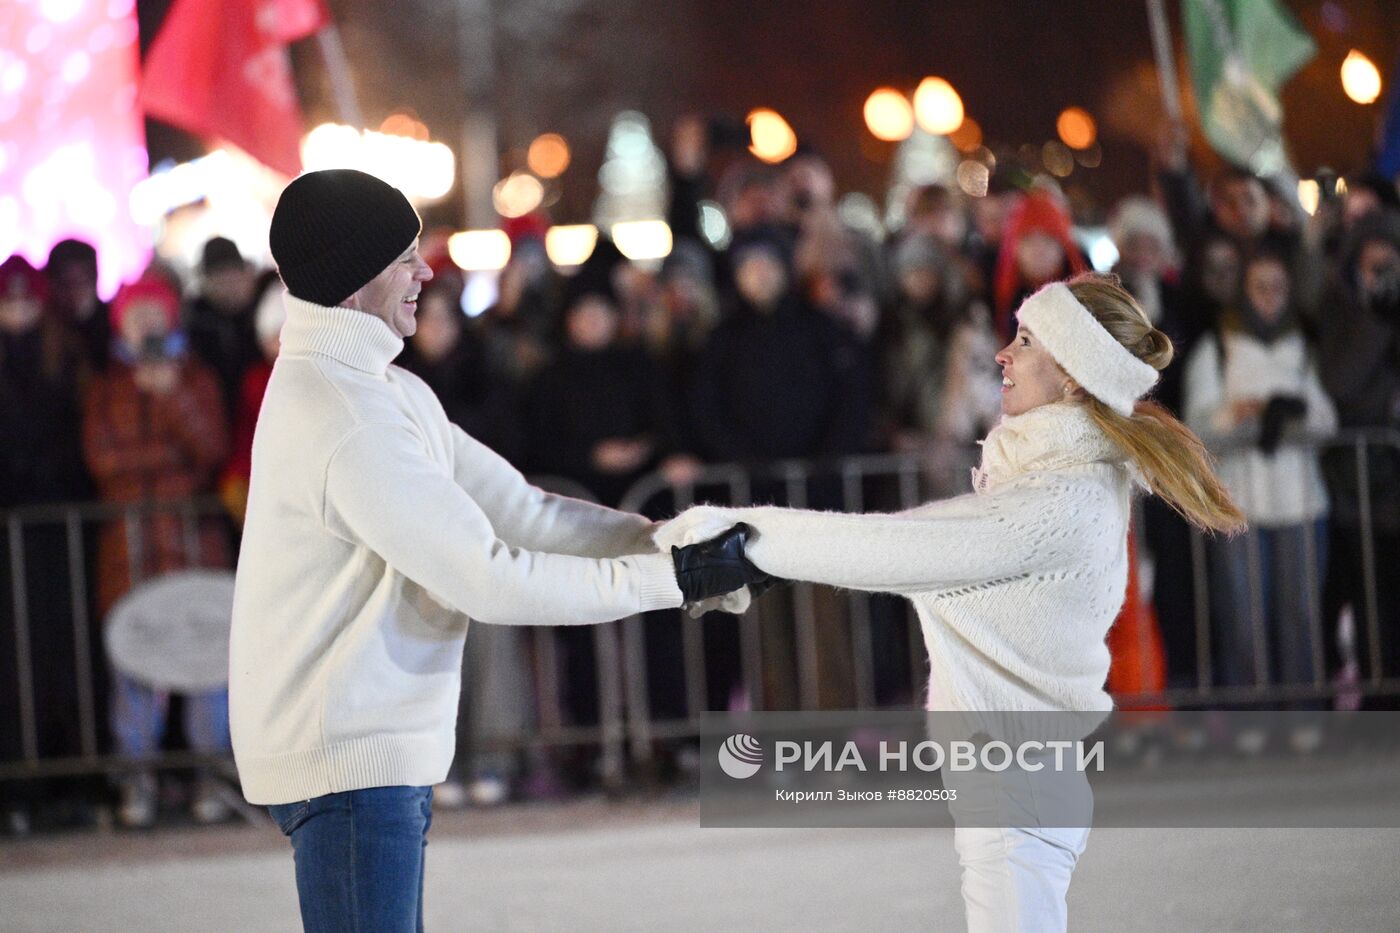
{"x":1032,"y":526}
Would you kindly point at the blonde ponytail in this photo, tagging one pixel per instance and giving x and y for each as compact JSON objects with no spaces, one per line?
{"x":1173,"y":460}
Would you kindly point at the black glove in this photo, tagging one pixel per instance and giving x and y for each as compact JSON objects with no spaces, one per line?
{"x":1279,"y":412}
{"x":717,"y":566}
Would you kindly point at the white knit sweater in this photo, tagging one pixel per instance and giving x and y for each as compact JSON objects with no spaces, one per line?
{"x":1015,"y":584}
{"x":374,"y":529}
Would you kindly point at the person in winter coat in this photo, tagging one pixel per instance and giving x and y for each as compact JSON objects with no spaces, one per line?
{"x":1359,"y":361}
{"x":43,"y":368}
{"x":154,"y":432}
{"x":1016,"y":584}
{"x":777,"y":379}
{"x":1252,"y":393}
{"x":220,"y":320}
{"x":940,"y":384}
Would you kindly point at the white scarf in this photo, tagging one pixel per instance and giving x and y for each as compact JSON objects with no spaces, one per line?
{"x":1048,"y":437}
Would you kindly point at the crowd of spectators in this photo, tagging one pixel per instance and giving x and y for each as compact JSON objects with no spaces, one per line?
{"x":803,"y":338}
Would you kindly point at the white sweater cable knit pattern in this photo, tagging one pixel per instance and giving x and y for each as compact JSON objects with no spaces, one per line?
{"x":374,"y":529}
{"x":1016,"y":584}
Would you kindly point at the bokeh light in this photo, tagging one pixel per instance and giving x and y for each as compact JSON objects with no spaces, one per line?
{"x":1076,"y":128}
{"x":1360,"y":78}
{"x":517,"y":195}
{"x":889,"y":115}
{"x":937,"y":106}
{"x":1309,"y":194}
{"x":772,"y":139}
{"x":479,"y":250}
{"x":402,"y":124}
{"x":570,"y":245}
{"x":549,"y":155}
{"x":973,"y":178}
{"x":642,"y":240}
{"x":1057,"y":158}
{"x":422,"y":170}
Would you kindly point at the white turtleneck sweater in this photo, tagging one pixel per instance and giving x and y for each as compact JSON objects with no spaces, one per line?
{"x":1015,"y":584}
{"x":374,"y":529}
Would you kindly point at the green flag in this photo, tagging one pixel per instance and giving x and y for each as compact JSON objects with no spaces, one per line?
{"x":1241,"y":53}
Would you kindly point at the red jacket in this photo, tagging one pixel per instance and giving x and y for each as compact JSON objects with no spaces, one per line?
{"x":143,"y":448}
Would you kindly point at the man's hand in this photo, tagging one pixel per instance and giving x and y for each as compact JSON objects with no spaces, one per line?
{"x":717,"y":566}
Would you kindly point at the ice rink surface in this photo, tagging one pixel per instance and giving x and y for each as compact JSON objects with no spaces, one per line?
{"x":648,"y":866}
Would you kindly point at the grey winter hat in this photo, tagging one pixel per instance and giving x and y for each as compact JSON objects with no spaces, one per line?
{"x":336,"y":229}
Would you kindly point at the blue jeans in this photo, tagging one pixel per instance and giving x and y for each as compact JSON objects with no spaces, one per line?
{"x":138,"y":718}
{"x":1266,"y":597}
{"x":359,"y":858}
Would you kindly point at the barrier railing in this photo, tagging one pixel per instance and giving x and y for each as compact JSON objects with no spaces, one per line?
{"x":627,"y":723}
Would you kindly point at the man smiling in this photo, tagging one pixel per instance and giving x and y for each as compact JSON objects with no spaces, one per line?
{"x":374,"y":529}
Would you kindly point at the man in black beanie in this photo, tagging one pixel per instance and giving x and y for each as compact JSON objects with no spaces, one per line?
{"x":374,"y":529}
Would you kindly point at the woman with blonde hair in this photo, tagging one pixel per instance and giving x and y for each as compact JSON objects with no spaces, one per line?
{"x":1017,"y":583}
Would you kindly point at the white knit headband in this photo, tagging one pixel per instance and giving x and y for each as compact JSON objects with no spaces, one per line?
{"x":1084,"y":349}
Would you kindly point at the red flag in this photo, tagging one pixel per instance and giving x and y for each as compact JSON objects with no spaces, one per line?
{"x":221,"y":68}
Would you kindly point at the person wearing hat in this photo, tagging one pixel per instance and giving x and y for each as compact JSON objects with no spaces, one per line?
{"x":374,"y":529}
{"x":221,"y":318}
{"x":1016,"y":584}
{"x":154,"y":431}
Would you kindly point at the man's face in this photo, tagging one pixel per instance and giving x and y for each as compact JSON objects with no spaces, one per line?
{"x":74,"y":287}
{"x":1242,"y":208}
{"x":231,"y":288}
{"x":761,"y":279}
{"x":392,"y":295}
{"x":1266,"y":287}
{"x":143,"y":321}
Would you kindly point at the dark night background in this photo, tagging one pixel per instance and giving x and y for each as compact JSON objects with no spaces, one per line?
{"x":569,"y":65}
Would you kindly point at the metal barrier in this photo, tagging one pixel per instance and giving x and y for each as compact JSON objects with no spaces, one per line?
{"x":626,"y":725}
{"x":906,"y":474}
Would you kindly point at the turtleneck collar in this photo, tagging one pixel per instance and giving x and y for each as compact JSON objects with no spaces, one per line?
{"x":355,"y":338}
{"x":1048,"y":437}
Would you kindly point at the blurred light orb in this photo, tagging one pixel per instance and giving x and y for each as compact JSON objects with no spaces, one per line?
{"x":937,"y":106}
{"x":642,"y":240}
{"x":973,"y":178}
{"x":549,"y":155}
{"x":479,"y":250}
{"x":1309,"y":194}
{"x":968,"y":136}
{"x":1360,"y":78}
{"x":889,"y":115}
{"x":1092,"y":157}
{"x":517,"y":194}
{"x":570,"y":245}
{"x":1057,"y":158}
{"x":1076,"y":128}
{"x":402,"y":124}
{"x":771,"y":138}
{"x":422,"y":170}
{"x":714,"y":225}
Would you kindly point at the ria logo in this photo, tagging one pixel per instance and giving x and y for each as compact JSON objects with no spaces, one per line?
{"x":740,"y":756}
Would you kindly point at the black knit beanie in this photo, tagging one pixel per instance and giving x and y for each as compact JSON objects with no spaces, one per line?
{"x":336,"y":229}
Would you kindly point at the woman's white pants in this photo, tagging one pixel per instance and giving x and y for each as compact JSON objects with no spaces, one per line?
{"x":1015,"y":880}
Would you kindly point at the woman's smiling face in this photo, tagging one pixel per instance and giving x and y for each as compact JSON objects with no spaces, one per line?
{"x":1030,"y":377}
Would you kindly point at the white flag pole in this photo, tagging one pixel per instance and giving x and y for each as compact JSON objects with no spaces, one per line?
{"x":1166,"y":60}
{"x":338,"y":69}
